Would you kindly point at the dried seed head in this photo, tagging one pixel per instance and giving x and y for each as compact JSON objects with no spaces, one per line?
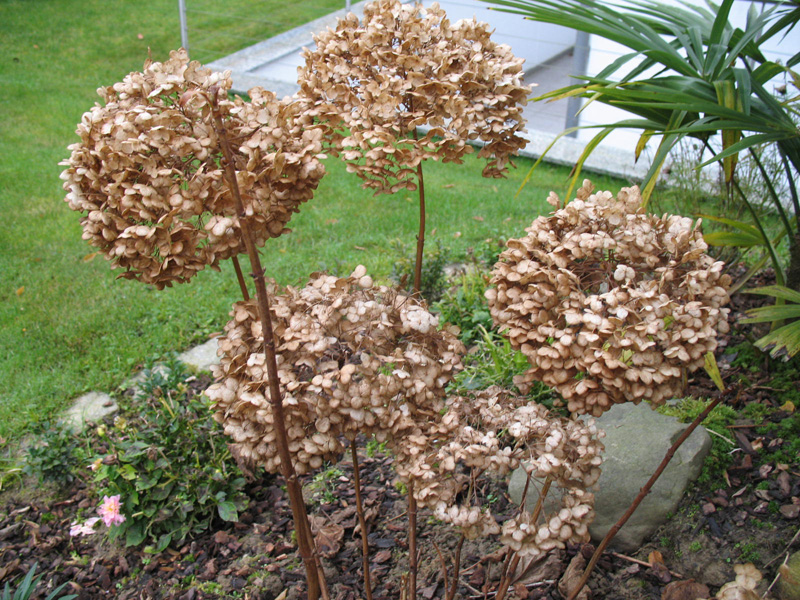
{"x":148,"y":171}
{"x":608,"y":303}
{"x":352,"y":359}
{"x":406,"y":66}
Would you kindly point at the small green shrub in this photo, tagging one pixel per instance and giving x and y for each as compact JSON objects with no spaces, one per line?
{"x":57,"y":453}
{"x":169,"y":463}
{"x":323,"y":486}
{"x":465,"y":306}
{"x":495,"y":362}
{"x":434,"y":279}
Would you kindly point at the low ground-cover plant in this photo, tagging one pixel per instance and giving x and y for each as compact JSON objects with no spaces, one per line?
{"x":166,"y":463}
{"x":464,"y":305}
{"x":57,"y":453}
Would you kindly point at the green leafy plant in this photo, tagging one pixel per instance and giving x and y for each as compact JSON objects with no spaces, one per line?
{"x":168,"y":463}
{"x":57,"y":453}
{"x":494,"y":362}
{"x":433,"y":282}
{"x":28,"y":585}
{"x":465,"y":306}
{"x":710,"y":84}
{"x":785,"y":317}
{"x":323,"y":486}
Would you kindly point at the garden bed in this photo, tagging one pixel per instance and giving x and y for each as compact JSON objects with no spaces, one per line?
{"x":744,"y":508}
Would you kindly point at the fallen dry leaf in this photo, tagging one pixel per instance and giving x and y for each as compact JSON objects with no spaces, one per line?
{"x":685,"y":590}
{"x":479,"y":219}
{"x":572,"y":577}
{"x":20,"y":290}
{"x":327,"y":535}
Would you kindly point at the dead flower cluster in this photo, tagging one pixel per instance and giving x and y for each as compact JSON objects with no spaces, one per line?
{"x":608,"y":303}
{"x":148,"y":175}
{"x":352,"y":358}
{"x":495,"y":431}
{"x":403,"y":67}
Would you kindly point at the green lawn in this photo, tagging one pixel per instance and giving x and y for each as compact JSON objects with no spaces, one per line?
{"x":66,"y":325}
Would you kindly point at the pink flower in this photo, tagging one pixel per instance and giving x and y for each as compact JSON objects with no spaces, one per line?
{"x":86,"y":528}
{"x":109,"y":511}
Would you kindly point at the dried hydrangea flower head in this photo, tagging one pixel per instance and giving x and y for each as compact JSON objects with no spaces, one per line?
{"x":352,"y":358}
{"x":494,"y":431}
{"x":608,"y":303}
{"x":147,"y":173}
{"x":405,"y":66}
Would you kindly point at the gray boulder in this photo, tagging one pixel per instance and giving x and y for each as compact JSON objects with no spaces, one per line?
{"x":637,"y":438}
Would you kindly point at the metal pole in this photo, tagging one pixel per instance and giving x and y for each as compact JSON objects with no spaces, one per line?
{"x":580,"y":62}
{"x":184,"y":28}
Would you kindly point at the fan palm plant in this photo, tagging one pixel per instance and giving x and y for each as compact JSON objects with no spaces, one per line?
{"x":691,"y":74}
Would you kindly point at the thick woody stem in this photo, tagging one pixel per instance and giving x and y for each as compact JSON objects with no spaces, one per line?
{"x":642,"y":493}
{"x":362,"y":521}
{"x":421,"y":233}
{"x":305,"y":541}
{"x":511,"y":568}
{"x":412,"y":542}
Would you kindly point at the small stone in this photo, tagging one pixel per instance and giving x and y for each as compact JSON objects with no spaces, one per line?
{"x":201,"y":357}
{"x":790,"y":511}
{"x":89,"y":408}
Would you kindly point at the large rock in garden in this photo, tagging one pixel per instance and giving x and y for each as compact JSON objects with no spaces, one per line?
{"x":637,"y":438}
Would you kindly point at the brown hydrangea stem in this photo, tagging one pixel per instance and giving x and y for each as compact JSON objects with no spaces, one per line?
{"x":362,"y":522}
{"x":451,"y":593}
{"x":412,"y":542}
{"x":240,"y":278}
{"x":421,"y":234}
{"x":305,"y":541}
{"x":642,"y":493}
{"x":513,"y":562}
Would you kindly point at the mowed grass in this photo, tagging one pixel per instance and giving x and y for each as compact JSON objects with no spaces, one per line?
{"x":66,"y":324}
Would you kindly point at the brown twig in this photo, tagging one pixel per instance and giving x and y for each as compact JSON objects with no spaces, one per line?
{"x":642,"y":563}
{"x":362,"y":521}
{"x":642,"y":493}
{"x":443,"y":564}
{"x":305,"y":540}
{"x":511,"y":568}
{"x":451,"y":593}
{"x":240,"y":278}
